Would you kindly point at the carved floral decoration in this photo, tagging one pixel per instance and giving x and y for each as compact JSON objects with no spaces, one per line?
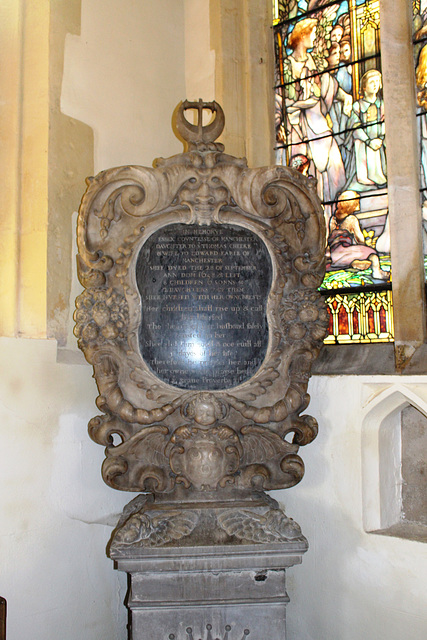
{"x":168,"y":440}
{"x":101,"y":314}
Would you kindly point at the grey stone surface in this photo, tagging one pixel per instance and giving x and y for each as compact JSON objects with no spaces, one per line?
{"x":414,"y":466}
{"x":230,"y":589}
{"x":363,"y":360}
{"x":147,"y":522}
{"x":366,"y":359}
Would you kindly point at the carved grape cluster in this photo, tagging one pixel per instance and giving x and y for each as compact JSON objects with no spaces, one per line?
{"x":303,"y":315}
{"x":101,"y":315}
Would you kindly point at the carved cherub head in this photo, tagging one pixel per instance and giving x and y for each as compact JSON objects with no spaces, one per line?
{"x":205,"y":409}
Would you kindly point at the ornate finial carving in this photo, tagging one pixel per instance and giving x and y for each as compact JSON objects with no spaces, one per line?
{"x":196,"y":134}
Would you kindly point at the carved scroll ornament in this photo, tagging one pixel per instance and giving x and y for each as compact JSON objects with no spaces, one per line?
{"x":176,"y":441}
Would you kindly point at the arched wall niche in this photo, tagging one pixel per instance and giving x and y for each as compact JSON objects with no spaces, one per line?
{"x":381,"y":446}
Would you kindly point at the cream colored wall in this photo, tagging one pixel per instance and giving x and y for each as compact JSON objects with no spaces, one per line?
{"x":403,"y":173}
{"x":24,"y":123}
{"x":123,"y":76}
{"x":240,"y":35}
{"x":199,"y":54}
{"x":70,"y":161}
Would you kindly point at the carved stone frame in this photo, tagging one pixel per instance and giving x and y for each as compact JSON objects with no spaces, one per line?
{"x":146,"y":424}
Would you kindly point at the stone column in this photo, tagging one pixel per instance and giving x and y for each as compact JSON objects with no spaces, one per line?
{"x":403,"y":168}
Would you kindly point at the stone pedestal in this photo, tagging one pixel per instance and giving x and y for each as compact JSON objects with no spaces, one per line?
{"x":209,"y":593}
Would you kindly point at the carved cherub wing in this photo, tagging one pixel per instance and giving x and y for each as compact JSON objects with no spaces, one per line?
{"x":152,"y":529}
{"x":139,"y":459}
{"x":260,"y":445}
{"x":172,"y":526}
{"x":244,"y":525}
{"x":147,"y":446}
{"x":268,"y":461}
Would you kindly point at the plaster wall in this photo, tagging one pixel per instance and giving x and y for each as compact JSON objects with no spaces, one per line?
{"x":122,"y":76}
{"x":55,"y":511}
{"x":199,"y":55}
{"x":352,"y":585}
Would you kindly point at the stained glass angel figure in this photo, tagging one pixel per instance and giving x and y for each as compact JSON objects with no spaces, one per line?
{"x":308,"y":102}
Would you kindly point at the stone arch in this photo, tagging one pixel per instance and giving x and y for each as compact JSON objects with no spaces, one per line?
{"x":381,"y":454}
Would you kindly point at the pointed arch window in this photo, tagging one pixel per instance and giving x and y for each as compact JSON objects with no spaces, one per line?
{"x":420,"y":61}
{"x":330,"y":124}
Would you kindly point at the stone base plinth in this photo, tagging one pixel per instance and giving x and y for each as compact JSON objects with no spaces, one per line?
{"x":209,"y":593}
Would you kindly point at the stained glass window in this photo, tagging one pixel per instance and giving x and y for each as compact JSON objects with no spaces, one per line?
{"x":330,"y":125}
{"x":420,"y":60}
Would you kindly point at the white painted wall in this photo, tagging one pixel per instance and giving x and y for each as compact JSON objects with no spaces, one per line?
{"x":352,"y":585}
{"x":123,"y":76}
{"x":55,"y":510}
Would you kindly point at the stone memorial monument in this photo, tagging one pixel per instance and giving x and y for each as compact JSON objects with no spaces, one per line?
{"x":201,"y":318}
